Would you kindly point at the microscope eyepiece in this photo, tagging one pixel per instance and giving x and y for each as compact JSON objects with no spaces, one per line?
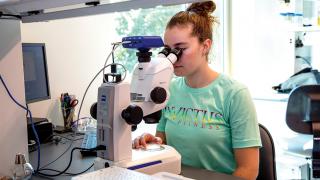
{"x":165,"y":51}
{"x":174,"y":55}
{"x":177,"y":52}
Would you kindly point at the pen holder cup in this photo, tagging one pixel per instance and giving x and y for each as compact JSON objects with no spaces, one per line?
{"x":68,"y":116}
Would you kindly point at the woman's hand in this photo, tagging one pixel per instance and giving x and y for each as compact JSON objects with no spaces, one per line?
{"x":144,"y":139}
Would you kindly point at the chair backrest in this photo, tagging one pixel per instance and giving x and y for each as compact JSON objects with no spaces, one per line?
{"x":267,"y":165}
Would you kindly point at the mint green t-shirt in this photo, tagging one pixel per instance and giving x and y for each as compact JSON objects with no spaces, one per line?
{"x":205,"y":124}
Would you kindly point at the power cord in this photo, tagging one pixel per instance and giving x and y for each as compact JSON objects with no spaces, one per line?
{"x":69,"y":173}
{"x":36,"y":135}
{"x":30,"y":115}
{"x":2,"y":15}
{"x":115,"y":45}
{"x":70,"y":145}
{"x":100,"y":147}
{"x":101,"y":70}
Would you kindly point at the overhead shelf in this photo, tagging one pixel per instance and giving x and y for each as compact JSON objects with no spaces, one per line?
{"x":42,"y":10}
{"x":306,"y":29}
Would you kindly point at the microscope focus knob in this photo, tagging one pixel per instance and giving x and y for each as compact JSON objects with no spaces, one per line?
{"x":158,"y":95}
{"x":132,"y":114}
{"x":93,"y":110}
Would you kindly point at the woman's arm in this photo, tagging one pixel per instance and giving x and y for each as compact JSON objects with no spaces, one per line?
{"x":247,"y":160}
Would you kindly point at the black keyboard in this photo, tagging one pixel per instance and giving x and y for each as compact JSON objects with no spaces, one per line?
{"x":89,"y":141}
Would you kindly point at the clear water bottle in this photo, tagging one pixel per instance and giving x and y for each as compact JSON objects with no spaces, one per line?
{"x":21,"y":169}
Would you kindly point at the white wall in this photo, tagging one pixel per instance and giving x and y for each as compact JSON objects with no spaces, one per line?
{"x":262,"y":57}
{"x":260,"y":49}
{"x":13,"y":133}
{"x":76,"y":50}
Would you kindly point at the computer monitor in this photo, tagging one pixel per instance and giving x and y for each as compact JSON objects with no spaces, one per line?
{"x":35,"y":72}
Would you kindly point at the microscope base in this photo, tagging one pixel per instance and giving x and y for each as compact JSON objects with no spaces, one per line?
{"x":163,"y":158}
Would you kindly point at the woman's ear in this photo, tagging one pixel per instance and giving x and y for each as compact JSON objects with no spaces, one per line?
{"x":206,"y":46}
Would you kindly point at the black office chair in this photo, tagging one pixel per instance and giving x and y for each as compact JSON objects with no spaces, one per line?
{"x":267,"y":164}
{"x":303,"y":116}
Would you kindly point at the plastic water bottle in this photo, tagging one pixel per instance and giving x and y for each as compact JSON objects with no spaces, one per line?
{"x":21,"y":169}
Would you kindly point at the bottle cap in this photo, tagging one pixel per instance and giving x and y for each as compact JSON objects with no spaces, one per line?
{"x":20,"y":159}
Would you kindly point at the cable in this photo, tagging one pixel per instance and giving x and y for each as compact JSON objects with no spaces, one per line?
{"x":29,"y":112}
{"x":58,"y":156}
{"x":76,"y":121}
{"x":70,"y":174}
{"x":114,"y":47}
{"x":70,"y":145}
{"x":67,"y":137}
{"x":100,"y":147}
{"x":9,"y":15}
{"x":80,"y":107}
{"x":304,"y":59}
{"x":92,"y":82}
{"x":61,"y":172}
{"x":85,"y":93}
{"x":125,"y":70}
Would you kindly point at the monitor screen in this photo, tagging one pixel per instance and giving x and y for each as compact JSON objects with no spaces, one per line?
{"x":35,"y":72}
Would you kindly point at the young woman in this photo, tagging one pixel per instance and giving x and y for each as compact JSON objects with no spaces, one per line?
{"x":210,"y":119}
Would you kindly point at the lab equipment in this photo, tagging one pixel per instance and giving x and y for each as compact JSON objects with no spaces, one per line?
{"x":89,"y":141}
{"x":122,"y":105}
{"x":302,"y":116}
{"x":306,"y":76}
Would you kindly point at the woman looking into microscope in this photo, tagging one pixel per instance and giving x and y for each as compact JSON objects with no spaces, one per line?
{"x":210,"y":118}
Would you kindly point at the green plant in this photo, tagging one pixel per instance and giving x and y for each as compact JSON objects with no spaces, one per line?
{"x":142,"y":22}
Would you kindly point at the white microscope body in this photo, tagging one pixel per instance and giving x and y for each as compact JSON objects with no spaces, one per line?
{"x":121,"y":106}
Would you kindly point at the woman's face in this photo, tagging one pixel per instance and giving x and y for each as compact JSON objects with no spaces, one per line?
{"x":193,"y":55}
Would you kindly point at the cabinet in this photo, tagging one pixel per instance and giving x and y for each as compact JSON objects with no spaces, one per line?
{"x":301,"y":12}
{"x":306,"y":47}
{"x":302,"y":30}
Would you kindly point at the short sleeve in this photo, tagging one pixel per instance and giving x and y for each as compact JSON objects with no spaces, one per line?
{"x":162,"y":123}
{"x":243,"y":121}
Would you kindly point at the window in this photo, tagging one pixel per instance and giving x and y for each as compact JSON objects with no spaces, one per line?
{"x":153,"y":22}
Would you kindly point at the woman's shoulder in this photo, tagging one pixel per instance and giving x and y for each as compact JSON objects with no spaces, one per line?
{"x":227,"y":83}
{"x":176,"y":79}
{"x":223,"y":84}
{"x":176,"y":82}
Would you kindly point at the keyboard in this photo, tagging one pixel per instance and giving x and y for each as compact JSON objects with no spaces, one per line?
{"x":89,"y":141}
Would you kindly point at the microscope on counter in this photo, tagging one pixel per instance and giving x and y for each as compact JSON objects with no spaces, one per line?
{"x":121,"y":106}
